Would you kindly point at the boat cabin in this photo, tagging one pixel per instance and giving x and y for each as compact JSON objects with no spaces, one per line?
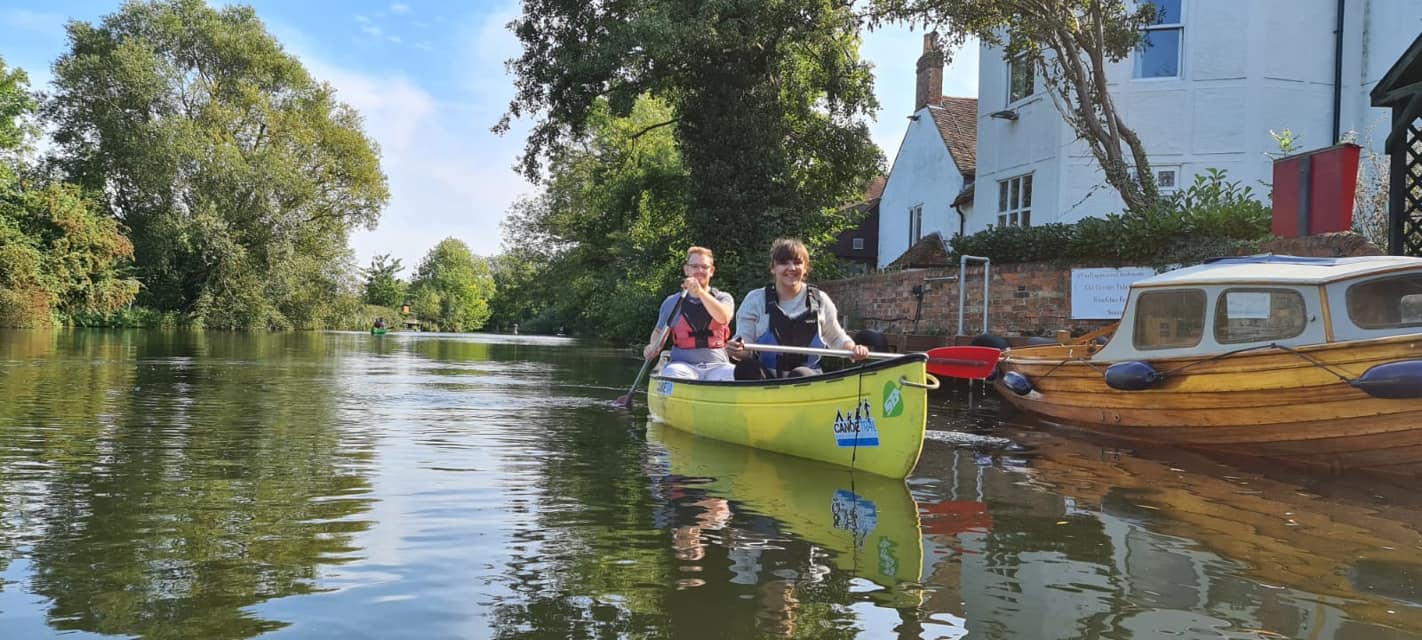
{"x":1230,"y":304}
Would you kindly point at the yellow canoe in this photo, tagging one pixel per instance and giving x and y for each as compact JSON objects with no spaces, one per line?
{"x":869,"y":523}
{"x":868,"y":418}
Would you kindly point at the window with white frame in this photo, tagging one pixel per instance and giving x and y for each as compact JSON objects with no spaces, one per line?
{"x":1158,"y":55}
{"x":915,"y":224}
{"x":858,"y":244}
{"x":1014,"y":202}
{"x":1021,"y":78}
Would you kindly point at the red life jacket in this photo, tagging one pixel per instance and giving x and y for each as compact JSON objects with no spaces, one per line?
{"x":695,"y":329}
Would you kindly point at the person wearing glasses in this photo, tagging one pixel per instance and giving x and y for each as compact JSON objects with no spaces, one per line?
{"x":701,"y":326}
{"x":789,"y":312}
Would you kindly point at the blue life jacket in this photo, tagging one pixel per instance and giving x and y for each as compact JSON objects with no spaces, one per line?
{"x":801,"y":331}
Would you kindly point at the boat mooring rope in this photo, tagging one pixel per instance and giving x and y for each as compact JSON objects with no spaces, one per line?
{"x":858,"y":400}
{"x":1310,"y":359}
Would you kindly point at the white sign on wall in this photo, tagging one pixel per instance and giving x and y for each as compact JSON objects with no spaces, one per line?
{"x":1100,"y":293}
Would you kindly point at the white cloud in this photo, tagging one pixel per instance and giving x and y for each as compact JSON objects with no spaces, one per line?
{"x":400,"y":8}
{"x":449,"y":175}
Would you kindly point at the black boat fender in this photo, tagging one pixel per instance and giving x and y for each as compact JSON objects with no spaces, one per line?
{"x":1392,"y":380}
{"x":1017,"y":383}
{"x":1132,"y":375}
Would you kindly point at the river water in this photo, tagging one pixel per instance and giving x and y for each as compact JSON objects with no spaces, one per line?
{"x":340,"y":485}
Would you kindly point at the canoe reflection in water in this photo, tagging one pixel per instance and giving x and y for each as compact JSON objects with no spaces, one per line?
{"x":783,"y":523}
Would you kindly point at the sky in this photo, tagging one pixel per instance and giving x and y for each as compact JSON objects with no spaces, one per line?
{"x":429,"y":79}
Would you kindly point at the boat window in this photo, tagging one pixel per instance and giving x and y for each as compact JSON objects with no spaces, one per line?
{"x":1169,"y":319}
{"x":1386,"y":302}
{"x":1252,"y":315}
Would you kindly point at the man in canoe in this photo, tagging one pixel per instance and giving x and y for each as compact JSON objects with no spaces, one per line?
{"x":791,"y":313}
{"x":700,"y":327}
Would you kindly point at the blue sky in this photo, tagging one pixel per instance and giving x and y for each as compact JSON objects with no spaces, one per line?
{"x":429,"y":79}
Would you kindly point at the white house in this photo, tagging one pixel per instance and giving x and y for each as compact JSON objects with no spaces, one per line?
{"x":1218,"y":76}
{"x":936,"y":160}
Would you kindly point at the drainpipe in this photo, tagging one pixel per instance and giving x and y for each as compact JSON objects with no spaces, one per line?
{"x":1338,"y":74}
{"x":962,"y":221}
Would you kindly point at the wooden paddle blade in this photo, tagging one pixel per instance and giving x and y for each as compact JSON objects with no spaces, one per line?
{"x":963,"y":362}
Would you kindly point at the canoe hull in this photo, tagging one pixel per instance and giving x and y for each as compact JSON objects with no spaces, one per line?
{"x":868,"y":418}
{"x":1295,"y":405}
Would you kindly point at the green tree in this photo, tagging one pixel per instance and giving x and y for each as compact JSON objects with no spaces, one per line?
{"x":767,"y":102}
{"x":1071,"y":44}
{"x":603,"y":241}
{"x":58,"y":251}
{"x":238,"y":175}
{"x":452,"y":287}
{"x":382,"y":286}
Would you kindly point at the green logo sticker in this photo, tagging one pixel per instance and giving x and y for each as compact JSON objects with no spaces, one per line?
{"x":893,"y":400}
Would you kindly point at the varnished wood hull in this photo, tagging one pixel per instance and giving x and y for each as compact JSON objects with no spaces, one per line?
{"x":1296,"y":406}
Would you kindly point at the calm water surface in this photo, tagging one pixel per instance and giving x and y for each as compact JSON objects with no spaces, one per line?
{"x":214,"y":485}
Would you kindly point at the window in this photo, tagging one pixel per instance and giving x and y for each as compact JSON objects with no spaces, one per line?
{"x":915,"y":224}
{"x":1158,"y":55}
{"x":1021,"y":79}
{"x":1014,"y":202}
{"x":858,"y":244}
{"x":1252,"y":315}
{"x":1167,"y":179}
{"x":1169,"y":319}
{"x":1386,"y":303}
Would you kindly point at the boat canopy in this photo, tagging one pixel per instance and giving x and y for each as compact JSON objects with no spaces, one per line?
{"x":1279,"y":269}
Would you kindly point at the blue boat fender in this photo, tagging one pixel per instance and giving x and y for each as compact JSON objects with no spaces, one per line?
{"x":1392,"y":380}
{"x":1017,"y":383}
{"x":1132,"y":375}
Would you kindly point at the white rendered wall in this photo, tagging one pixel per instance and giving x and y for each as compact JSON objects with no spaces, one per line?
{"x":1246,"y":68}
{"x":924,"y":174}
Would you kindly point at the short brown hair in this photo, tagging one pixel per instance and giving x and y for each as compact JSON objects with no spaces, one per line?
{"x":787,"y":249}
{"x":702,"y":251}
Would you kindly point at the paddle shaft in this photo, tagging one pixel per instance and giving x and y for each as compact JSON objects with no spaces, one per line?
{"x":626,"y":400}
{"x":844,"y":353}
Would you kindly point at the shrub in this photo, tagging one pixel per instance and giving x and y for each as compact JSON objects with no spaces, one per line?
{"x":1210,"y":217}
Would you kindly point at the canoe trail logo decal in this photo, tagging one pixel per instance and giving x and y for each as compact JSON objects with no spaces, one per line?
{"x":888,"y":557}
{"x":893,"y":400}
{"x":664,"y":388}
{"x":856,"y":428}
{"x":854,"y":513}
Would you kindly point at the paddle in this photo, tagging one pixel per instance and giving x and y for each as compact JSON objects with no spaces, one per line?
{"x":625,"y":401}
{"x":969,"y":362}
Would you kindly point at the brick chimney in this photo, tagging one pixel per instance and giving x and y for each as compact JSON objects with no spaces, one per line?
{"x":929,"y":89}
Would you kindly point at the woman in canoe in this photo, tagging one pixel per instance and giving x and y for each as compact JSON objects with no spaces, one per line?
{"x":700,"y":325}
{"x":788,"y":312}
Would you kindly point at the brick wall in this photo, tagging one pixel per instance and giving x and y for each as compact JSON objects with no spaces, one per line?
{"x":1026,"y":299}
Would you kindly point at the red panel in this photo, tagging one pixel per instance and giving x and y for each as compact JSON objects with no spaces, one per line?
{"x":1332,"y":175}
{"x":1335,"y":176}
{"x":1286,"y":197}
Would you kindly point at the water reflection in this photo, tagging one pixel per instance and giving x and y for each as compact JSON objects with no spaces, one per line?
{"x":172,"y":484}
{"x":782,"y":532}
{"x":168,"y":484}
{"x":1086,"y":540}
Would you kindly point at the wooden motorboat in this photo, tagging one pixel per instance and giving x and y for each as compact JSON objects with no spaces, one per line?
{"x":1315,"y":361}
